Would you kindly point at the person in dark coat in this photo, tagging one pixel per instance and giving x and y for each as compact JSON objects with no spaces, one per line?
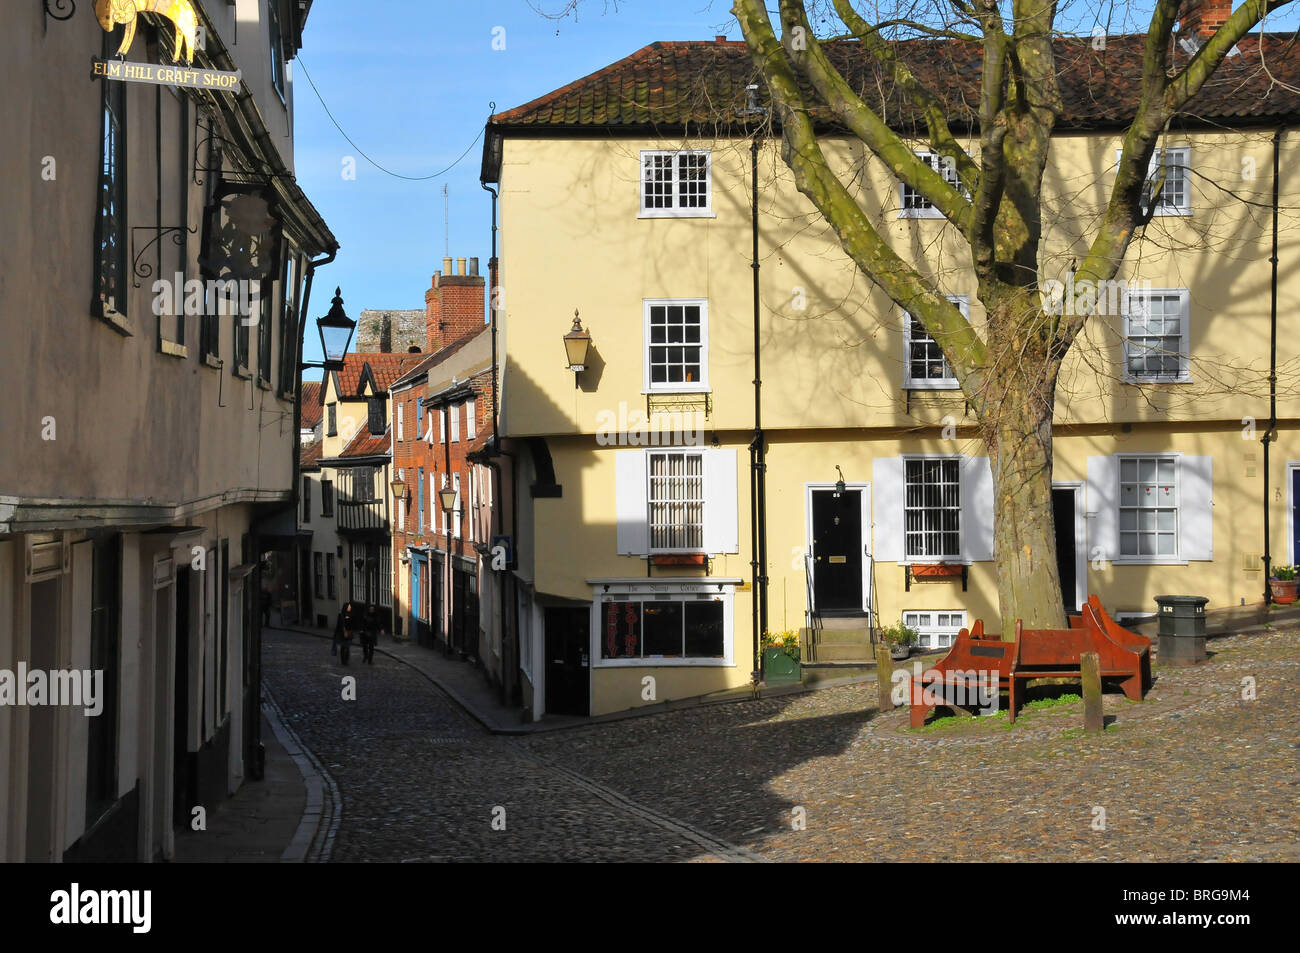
{"x":344,"y":630}
{"x":369,"y":635}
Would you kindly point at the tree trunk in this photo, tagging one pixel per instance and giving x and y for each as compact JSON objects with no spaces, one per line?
{"x":1024,"y":529}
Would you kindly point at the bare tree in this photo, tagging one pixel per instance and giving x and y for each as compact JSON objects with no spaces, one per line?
{"x":1008,"y":369}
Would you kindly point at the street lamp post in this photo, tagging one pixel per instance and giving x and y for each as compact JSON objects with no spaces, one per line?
{"x":447,"y":497}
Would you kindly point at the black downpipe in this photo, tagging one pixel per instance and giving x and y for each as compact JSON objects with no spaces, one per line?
{"x":509,"y":640}
{"x":757,"y":451}
{"x":1272,"y":376}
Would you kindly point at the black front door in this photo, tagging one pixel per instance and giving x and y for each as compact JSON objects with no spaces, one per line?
{"x":837,"y":551}
{"x":1063,"y":514}
{"x":568,"y":642}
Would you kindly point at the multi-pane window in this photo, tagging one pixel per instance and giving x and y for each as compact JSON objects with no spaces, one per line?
{"x":937,"y":630}
{"x":1155,"y":336}
{"x":454,"y":413}
{"x":264,"y":332}
{"x":1148,"y":506}
{"x":110,"y":220}
{"x":470,"y":429}
{"x":654,"y":627}
{"x":932,"y":508}
{"x":677,"y":345}
{"x":399,"y":420}
{"x":925,"y":366}
{"x":331,"y":419}
{"x":376,"y":415}
{"x":675,"y":495}
{"x":277,"y":48}
{"x":330,"y":576}
{"x":916,"y":205}
{"x":1175,"y":195}
{"x":326,"y":497}
{"x":675,"y":183}
{"x":306,"y":499}
{"x":363,"y":484}
{"x":318,"y":563}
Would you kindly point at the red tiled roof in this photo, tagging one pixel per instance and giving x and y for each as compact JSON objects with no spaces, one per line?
{"x":366,"y":444}
{"x":384,"y":366}
{"x":311,"y":408}
{"x":673,"y":84}
{"x":309,"y":455}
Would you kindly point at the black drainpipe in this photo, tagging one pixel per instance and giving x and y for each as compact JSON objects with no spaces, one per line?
{"x":509,"y":643}
{"x":1272,"y":376}
{"x":758,"y":466}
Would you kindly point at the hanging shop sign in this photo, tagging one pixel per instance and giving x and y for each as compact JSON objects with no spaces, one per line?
{"x":181,"y":13}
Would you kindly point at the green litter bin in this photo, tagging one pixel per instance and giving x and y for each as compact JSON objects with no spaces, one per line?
{"x":780,"y":669}
{"x":1182,"y":630}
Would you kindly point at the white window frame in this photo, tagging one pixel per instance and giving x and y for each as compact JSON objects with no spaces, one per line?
{"x":442,"y":485}
{"x":1183,"y":160}
{"x":692,"y":591}
{"x":676,"y":211}
{"x":1176,"y":557}
{"x":949,"y":172}
{"x":442,"y":425}
{"x":956,"y":557}
{"x":401,"y":420}
{"x":454,"y":410}
{"x":694,"y":387}
{"x":456,"y":509}
{"x":1185,"y":364}
{"x":933,"y":635}
{"x":931,"y":383}
{"x":649,"y":499}
{"x":470,"y":430}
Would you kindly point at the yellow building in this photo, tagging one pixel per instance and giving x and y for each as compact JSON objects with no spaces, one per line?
{"x":627,"y":196}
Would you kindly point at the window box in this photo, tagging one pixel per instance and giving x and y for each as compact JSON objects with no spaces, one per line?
{"x":679,"y":559}
{"x":937,"y":570}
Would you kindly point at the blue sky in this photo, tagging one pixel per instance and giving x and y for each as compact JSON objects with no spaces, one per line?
{"x":410,"y":81}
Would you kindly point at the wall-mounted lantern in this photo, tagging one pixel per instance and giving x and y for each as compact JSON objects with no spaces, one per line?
{"x":576,"y":344}
{"x":447,"y":495}
{"x":839,"y":484}
{"x":398,"y":487}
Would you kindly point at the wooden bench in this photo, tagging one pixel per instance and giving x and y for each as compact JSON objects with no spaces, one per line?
{"x":1035,"y":653}
{"x":1055,"y":653}
{"x":972,"y":651}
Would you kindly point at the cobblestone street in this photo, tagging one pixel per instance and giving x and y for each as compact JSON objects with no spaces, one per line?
{"x":1192,"y":773}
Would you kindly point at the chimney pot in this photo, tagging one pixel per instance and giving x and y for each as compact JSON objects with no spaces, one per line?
{"x":473,"y":267}
{"x":460,"y":267}
{"x":446,"y":266}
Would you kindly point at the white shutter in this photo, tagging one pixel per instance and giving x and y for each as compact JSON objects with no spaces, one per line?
{"x":1103,"y":509}
{"x":469,"y":420}
{"x":1196,"y":508}
{"x":976,"y":509}
{"x":720,"y":520}
{"x":456,"y":512}
{"x":887,"y":500}
{"x":630,"y":502}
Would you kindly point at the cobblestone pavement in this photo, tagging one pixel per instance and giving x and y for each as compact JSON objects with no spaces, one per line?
{"x":1192,"y":773}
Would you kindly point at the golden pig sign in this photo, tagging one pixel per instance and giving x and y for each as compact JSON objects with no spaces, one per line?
{"x":180,"y":12}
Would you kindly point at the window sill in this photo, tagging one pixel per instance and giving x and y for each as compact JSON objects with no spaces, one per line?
{"x":118,"y":322}
{"x":1149,"y":381}
{"x":172,"y":349}
{"x":264,"y":385}
{"x":1150,"y":561}
{"x":677,"y":213}
{"x":242,"y":372}
{"x":938,"y":384}
{"x":920,"y":213}
{"x":698,"y":389}
{"x":1172,"y":213}
{"x":215,"y":363}
{"x":664,"y":663}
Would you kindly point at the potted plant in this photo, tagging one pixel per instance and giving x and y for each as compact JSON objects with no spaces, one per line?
{"x":900,"y":638}
{"x":1283,"y":583}
{"x":781,"y":653}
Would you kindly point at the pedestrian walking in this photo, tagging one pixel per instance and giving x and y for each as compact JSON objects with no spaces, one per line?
{"x":344,"y":630}
{"x":369,"y":635}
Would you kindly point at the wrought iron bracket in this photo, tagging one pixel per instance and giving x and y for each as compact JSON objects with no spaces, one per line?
{"x":54,"y":11}
{"x":142,"y":269}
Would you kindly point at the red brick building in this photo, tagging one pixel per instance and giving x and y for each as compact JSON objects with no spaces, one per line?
{"x":442,"y":411}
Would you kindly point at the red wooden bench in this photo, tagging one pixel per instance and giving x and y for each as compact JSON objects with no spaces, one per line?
{"x":1036,"y":653}
{"x":972,"y":652}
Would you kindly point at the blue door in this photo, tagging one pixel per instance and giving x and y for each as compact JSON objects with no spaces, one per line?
{"x":1295,"y":516}
{"x":415,"y":591}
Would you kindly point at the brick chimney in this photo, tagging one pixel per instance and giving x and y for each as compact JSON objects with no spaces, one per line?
{"x":1203,"y":17}
{"x":454,"y":304}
